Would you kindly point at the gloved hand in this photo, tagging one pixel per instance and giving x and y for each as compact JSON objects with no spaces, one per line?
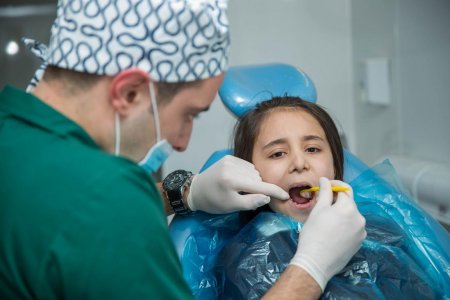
{"x":231,"y":184}
{"x":332,"y":234}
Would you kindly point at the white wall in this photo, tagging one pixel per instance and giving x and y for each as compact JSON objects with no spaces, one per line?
{"x":413,"y":131}
{"x":313,"y":35}
{"x":415,"y":36}
{"x":373,"y":36}
{"x":423,"y":54}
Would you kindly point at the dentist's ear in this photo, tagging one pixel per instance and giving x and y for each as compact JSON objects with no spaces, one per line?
{"x":128,"y":88}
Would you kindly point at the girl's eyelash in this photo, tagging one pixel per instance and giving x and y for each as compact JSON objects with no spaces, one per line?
{"x":274,"y":155}
{"x":311,"y":149}
{"x":316,"y":149}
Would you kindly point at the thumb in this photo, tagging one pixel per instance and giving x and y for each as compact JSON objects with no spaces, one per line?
{"x":325,"y":197}
{"x":253,"y":201}
{"x":261,"y":187}
{"x":273,"y":190}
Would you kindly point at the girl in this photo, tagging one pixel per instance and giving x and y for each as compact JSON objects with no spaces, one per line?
{"x":292,"y":143}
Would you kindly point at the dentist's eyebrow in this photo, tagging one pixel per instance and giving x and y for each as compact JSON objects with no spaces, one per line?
{"x":275,"y":142}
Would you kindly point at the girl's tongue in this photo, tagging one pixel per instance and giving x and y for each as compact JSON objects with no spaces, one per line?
{"x":300,"y":197}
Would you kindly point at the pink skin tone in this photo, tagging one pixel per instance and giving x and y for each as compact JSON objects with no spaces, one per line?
{"x":177,"y":116}
{"x":291,"y":150}
{"x":130,"y":97}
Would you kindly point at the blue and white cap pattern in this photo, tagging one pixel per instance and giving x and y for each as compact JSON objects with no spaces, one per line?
{"x":172,"y":40}
{"x":40,"y":50}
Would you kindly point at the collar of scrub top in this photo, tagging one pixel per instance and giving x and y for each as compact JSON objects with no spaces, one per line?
{"x":173,"y":41}
{"x":27,"y":107}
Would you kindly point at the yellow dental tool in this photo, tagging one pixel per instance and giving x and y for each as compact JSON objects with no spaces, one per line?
{"x":333,"y":188}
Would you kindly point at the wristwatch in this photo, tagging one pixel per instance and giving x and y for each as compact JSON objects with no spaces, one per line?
{"x":174,"y":186}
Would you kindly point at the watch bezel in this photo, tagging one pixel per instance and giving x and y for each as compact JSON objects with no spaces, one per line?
{"x":175,"y":193}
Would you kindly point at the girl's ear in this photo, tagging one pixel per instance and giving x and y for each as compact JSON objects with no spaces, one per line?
{"x":127,"y":89}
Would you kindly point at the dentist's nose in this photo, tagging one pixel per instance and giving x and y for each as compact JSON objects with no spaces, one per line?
{"x":183,"y":138}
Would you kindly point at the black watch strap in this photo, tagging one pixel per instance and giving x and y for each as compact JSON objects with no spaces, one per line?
{"x":174,"y":186}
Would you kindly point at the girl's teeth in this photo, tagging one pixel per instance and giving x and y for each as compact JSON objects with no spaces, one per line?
{"x":306,"y":195}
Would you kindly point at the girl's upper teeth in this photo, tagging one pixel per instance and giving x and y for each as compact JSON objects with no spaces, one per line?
{"x":306,"y":195}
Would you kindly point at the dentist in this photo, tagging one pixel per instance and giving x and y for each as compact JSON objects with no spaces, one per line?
{"x":80,"y":217}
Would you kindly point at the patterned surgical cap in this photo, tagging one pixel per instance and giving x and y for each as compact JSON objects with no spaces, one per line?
{"x":172,"y":40}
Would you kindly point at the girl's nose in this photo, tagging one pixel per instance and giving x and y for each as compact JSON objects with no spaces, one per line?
{"x":299,"y":163}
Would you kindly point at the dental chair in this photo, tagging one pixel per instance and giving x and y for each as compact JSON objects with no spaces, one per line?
{"x":418,"y":243}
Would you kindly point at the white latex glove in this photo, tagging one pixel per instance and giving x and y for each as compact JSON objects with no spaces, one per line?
{"x":231,"y":184}
{"x":332,"y":234}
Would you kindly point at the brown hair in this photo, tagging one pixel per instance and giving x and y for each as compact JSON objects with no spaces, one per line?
{"x":167,"y":90}
{"x":76,"y":82}
{"x":247,"y":128}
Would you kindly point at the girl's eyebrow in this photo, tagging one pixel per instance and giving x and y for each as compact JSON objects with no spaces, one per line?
{"x":275,"y":142}
{"x":312,"y":137}
{"x":280,"y":141}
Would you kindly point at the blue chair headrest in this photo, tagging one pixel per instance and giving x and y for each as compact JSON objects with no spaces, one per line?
{"x":246,"y":86}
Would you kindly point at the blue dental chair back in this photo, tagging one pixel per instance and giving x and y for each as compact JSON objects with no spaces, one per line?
{"x":242,"y":89}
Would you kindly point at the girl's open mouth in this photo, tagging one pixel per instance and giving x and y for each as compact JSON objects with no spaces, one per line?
{"x":301,"y":200}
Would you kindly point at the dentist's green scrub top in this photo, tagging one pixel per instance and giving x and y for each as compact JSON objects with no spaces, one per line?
{"x":76,"y":222}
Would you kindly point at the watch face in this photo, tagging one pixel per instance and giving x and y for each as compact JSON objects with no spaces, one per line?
{"x":175,"y":180}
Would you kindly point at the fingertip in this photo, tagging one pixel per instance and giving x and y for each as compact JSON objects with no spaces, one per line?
{"x":279,"y":193}
{"x":325,"y":186}
{"x":325,"y":192}
{"x":260,"y":201}
{"x":284,"y":195}
{"x":272,"y":190}
{"x":324,"y":182}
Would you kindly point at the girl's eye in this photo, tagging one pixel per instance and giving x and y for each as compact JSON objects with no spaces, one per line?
{"x":277,"y":154}
{"x":312,"y":150}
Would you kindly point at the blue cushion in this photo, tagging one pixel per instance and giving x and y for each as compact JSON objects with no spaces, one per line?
{"x":245,"y":86}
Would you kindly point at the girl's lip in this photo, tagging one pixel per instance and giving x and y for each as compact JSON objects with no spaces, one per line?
{"x":299,"y":184}
{"x":303,"y":206}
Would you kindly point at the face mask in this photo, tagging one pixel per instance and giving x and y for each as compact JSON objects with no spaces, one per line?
{"x":156,"y":156}
{"x":159,"y":152}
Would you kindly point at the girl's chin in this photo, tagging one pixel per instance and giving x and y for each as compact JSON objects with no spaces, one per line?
{"x":300,"y":212}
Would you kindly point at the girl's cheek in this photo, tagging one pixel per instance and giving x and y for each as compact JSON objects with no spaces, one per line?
{"x":273,"y":205}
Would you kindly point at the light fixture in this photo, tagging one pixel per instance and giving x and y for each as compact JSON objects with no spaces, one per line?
{"x":12,"y":48}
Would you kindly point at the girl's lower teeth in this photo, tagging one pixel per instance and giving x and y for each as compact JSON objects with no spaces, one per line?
{"x":306,"y":195}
